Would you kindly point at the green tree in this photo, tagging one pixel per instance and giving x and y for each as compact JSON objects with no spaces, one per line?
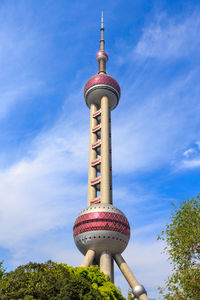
{"x":182,"y":238}
{"x":2,"y":270}
{"x":57,"y":282}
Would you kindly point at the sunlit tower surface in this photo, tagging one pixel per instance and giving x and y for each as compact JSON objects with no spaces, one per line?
{"x":102,"y":231}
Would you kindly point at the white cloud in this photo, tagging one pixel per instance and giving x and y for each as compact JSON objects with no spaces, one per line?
{"x":59,"y":247}
{"x":22,"y":49}
{"x":38,"y":192}
{"x":191,"y":158}
{"x":189,"y":164}
{"x":188,"y":152}
{"x":169,"y":38}
{"x":198,"y":144}
{"x":12,"y":94}
{"x":155,"y":124}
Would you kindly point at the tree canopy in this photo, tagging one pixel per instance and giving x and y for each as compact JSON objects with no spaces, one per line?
{"x":182,"y":238}
{"x":57,"y":281}
{"x":2,"y":270}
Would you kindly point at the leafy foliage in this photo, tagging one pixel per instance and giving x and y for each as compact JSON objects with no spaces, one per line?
{"x":182,"y":237}
{"x":2,"y":270}
{"x":57,"y":282}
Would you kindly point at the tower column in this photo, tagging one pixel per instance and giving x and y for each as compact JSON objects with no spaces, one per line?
{"x":106,"y":190}
{"x":92,"y":173}
{"x":106,"y":264}
{"x":137,"y":289}
{"x":88,"y":259}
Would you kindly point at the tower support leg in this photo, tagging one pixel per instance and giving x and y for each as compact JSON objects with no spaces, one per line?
{"x":88,"y":259}
{"x":138,"y":290}
{"x":106,"y":264}
{"x":112,"y":279}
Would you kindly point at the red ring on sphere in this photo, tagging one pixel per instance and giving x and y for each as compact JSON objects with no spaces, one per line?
{"x":102,"y":79}
{"x":101,"y":221}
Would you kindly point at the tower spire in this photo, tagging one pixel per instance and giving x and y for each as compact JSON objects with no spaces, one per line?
{"x":102,"y":56}
{"x":102,"y":42}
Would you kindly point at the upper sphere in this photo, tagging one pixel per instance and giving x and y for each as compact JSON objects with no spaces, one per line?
{"x":101,"y":85}
{"x":102,"y":55}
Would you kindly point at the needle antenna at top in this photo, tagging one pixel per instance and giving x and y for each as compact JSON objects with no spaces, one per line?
{"x":102,"y":20}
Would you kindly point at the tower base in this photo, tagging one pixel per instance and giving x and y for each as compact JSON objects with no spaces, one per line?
{"x":107,"y":267}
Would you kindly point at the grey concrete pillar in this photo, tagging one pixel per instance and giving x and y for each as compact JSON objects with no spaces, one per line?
{"x":134,"y":284}
{"x":106,"y":265}
{"x":88,"y":259}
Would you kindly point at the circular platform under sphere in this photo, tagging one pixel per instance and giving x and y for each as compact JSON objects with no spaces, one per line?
{"x":101,"y":227}
{"x":101,"y":85}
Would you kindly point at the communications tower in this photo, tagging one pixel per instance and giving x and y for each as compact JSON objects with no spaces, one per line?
{"x":101,"y":231}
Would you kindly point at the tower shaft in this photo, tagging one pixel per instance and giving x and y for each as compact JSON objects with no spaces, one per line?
{"x":100,"y":135}
{"x":100,"y":154}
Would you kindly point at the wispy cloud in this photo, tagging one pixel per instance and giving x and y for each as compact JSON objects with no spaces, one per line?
{"x":37,"y":192}
{"x":188,"y":152}
{"x":159,"y":118}
{"x":171,"y":38}
{"x":22,"y":48}
{"x":190,"y":158}
{"x":157,"y":130}
{"x":13,"y":94}
{"x":189,"y":164}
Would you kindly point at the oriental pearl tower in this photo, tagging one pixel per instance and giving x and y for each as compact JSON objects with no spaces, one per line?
{"x":101,"y":231}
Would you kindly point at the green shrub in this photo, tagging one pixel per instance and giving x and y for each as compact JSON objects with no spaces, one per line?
{"x":56,"y":281}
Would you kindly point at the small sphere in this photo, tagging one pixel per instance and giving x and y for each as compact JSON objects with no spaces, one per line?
{"x":101,"y":85}
{"x":101,"y":227}
{"x":102,"y":55}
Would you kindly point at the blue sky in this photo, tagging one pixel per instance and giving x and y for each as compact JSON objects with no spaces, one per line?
{"x":47,"y":53}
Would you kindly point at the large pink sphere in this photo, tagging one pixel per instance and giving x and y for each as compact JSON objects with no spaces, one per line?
{"x":101,"y":227}
{"x":102,"y":85}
